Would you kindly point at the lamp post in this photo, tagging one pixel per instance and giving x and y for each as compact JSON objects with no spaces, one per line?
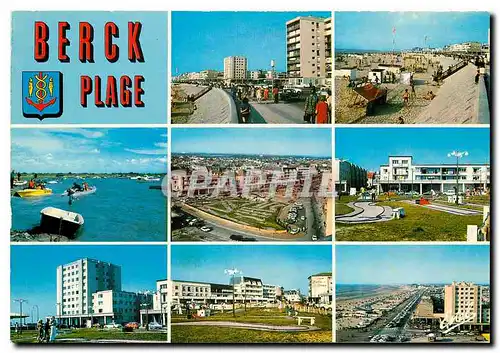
{"x":59,"y":307}
{"x":458,"y":155}
{"x":232,"y":272}
{"x":20,"y":301}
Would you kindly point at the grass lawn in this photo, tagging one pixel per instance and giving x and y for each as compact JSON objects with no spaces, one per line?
{"x":94,"y":334}
{"x":480,"y":200}
{"x":341,"y":209}
{"x":468,"y":207}
{"x":213,"y":334}
{"x":420,"y":224}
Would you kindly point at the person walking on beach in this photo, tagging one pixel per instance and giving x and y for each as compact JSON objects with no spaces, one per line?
{"x":275,"y":94}
{"x":406,"y":97}
{"x":310,"y":106}
{"x":322,"y":111}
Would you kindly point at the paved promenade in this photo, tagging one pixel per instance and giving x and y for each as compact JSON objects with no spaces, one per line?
{"x":456,"y":101}
{"x":366,"y":212}
{"x":248,"y":326}
{"x":214,"y":107}
{"x":280,"y":113}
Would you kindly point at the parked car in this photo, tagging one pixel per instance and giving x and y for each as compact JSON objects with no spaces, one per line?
{"x":113,"y":325}
{"x":133,"y":324}
{"x":154,"y":326}
{"x":314,"y":237}
{"x":206,"y":229}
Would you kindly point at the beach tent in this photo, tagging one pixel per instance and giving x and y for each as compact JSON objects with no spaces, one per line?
{"x":372,"y":95}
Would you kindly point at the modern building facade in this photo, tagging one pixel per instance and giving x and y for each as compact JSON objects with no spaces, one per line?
{"x":76,"y":283}
{"x":308,"y":48}
{"x":246,"y":289}
{"x":157,"y":309}
{"x":320,"y":288}
{"x":235,"y":68}
{"x":347,"y":175}
{"x":402,"y":174}
{"x":293,"y":296}
{"x":463,"y":303}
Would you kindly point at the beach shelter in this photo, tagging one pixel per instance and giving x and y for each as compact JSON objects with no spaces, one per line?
{"x":372,"y":95}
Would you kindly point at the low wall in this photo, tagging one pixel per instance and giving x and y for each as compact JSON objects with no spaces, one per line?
{"x":483,"y":106}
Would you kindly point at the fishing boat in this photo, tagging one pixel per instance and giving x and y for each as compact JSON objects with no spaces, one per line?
{"x":20,"y":182}
{"x":33,"y":192}
{"x":52,"y":182}
{"x":91,"y":190}
{"x":56,"y":221}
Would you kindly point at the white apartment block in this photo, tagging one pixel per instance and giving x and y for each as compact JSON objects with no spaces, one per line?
{"x":157,"y":312}
{"x":293,"y":296}
{"x":403,"y":174}
{"x":463,"y":304}
{"x":77,"y":281}
{"x":116,"y":306}
{"x":246,"y":289}
{"x":309,"y":44}
{"x":235,"y":68}
{"x":320,"y":288}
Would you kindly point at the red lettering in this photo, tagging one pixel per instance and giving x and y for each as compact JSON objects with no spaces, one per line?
{"x":86,"y":89}
{"x":63,"y":41}
{"x":125,"y":95}
{"x":111,"y":99}
{"x":41,"y":46}
{"x":134,"y":46}
{"x":97,"y":92}
{"x":111,"y":50}
{"x":86,"y":52}
{"x":138,"y":91}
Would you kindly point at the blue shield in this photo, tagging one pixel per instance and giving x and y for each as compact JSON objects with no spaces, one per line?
{"x":42,"y":94}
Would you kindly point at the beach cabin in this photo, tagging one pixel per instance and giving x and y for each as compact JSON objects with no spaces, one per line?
{"x":376,"y":76}
{"x":350,"y":72}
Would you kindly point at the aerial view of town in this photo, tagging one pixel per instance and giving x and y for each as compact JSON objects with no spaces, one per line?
{"x":88,"y":294}
{"x":251,"y":67}
{"x":258,"y":294}
{"x":419,"y":184}
{"x":412,"y":68}
{"x":239,"y":184}
{"x":392,"y":295}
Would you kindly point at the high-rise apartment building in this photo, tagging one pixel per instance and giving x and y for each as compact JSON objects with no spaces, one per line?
{"x":309,"y":50}
{"x":464,"y":301}
{"x":78,"y":280}
{"x":235,"y":68}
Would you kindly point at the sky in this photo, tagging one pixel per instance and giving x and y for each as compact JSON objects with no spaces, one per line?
{"x":288,"y":266}
{"x":201,"y":40}
{"x":374,"y":30}
{"x":405,"y":264}
{"x":33,"y":270}
{"x":89,"y":150}
{"x":370,"y":147}
{"x":153,"y":40}
{"x":315,"y":142}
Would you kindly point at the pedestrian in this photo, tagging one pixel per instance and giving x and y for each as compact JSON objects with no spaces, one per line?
{"x":18,"y":176}
{"x":400,"y":120}
{"x":322,"y":111}
{"x":39,"y":327}
{"x":258,"y":94}
{"x":329,"y":102}
{"x":412,"y":85}
{"x":406,"y":97}
{"x":245,"y":110}
{"x":275,"y":94}
{"x":266,"y":94}
{"x":310,"y":106}
{"x":53,"y":329}
{"x":12,"y":177}
{"x":476,"y":79}
{"x":47,"y":330}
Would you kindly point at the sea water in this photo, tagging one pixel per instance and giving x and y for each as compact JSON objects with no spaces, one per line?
{"x":120,"y":210}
